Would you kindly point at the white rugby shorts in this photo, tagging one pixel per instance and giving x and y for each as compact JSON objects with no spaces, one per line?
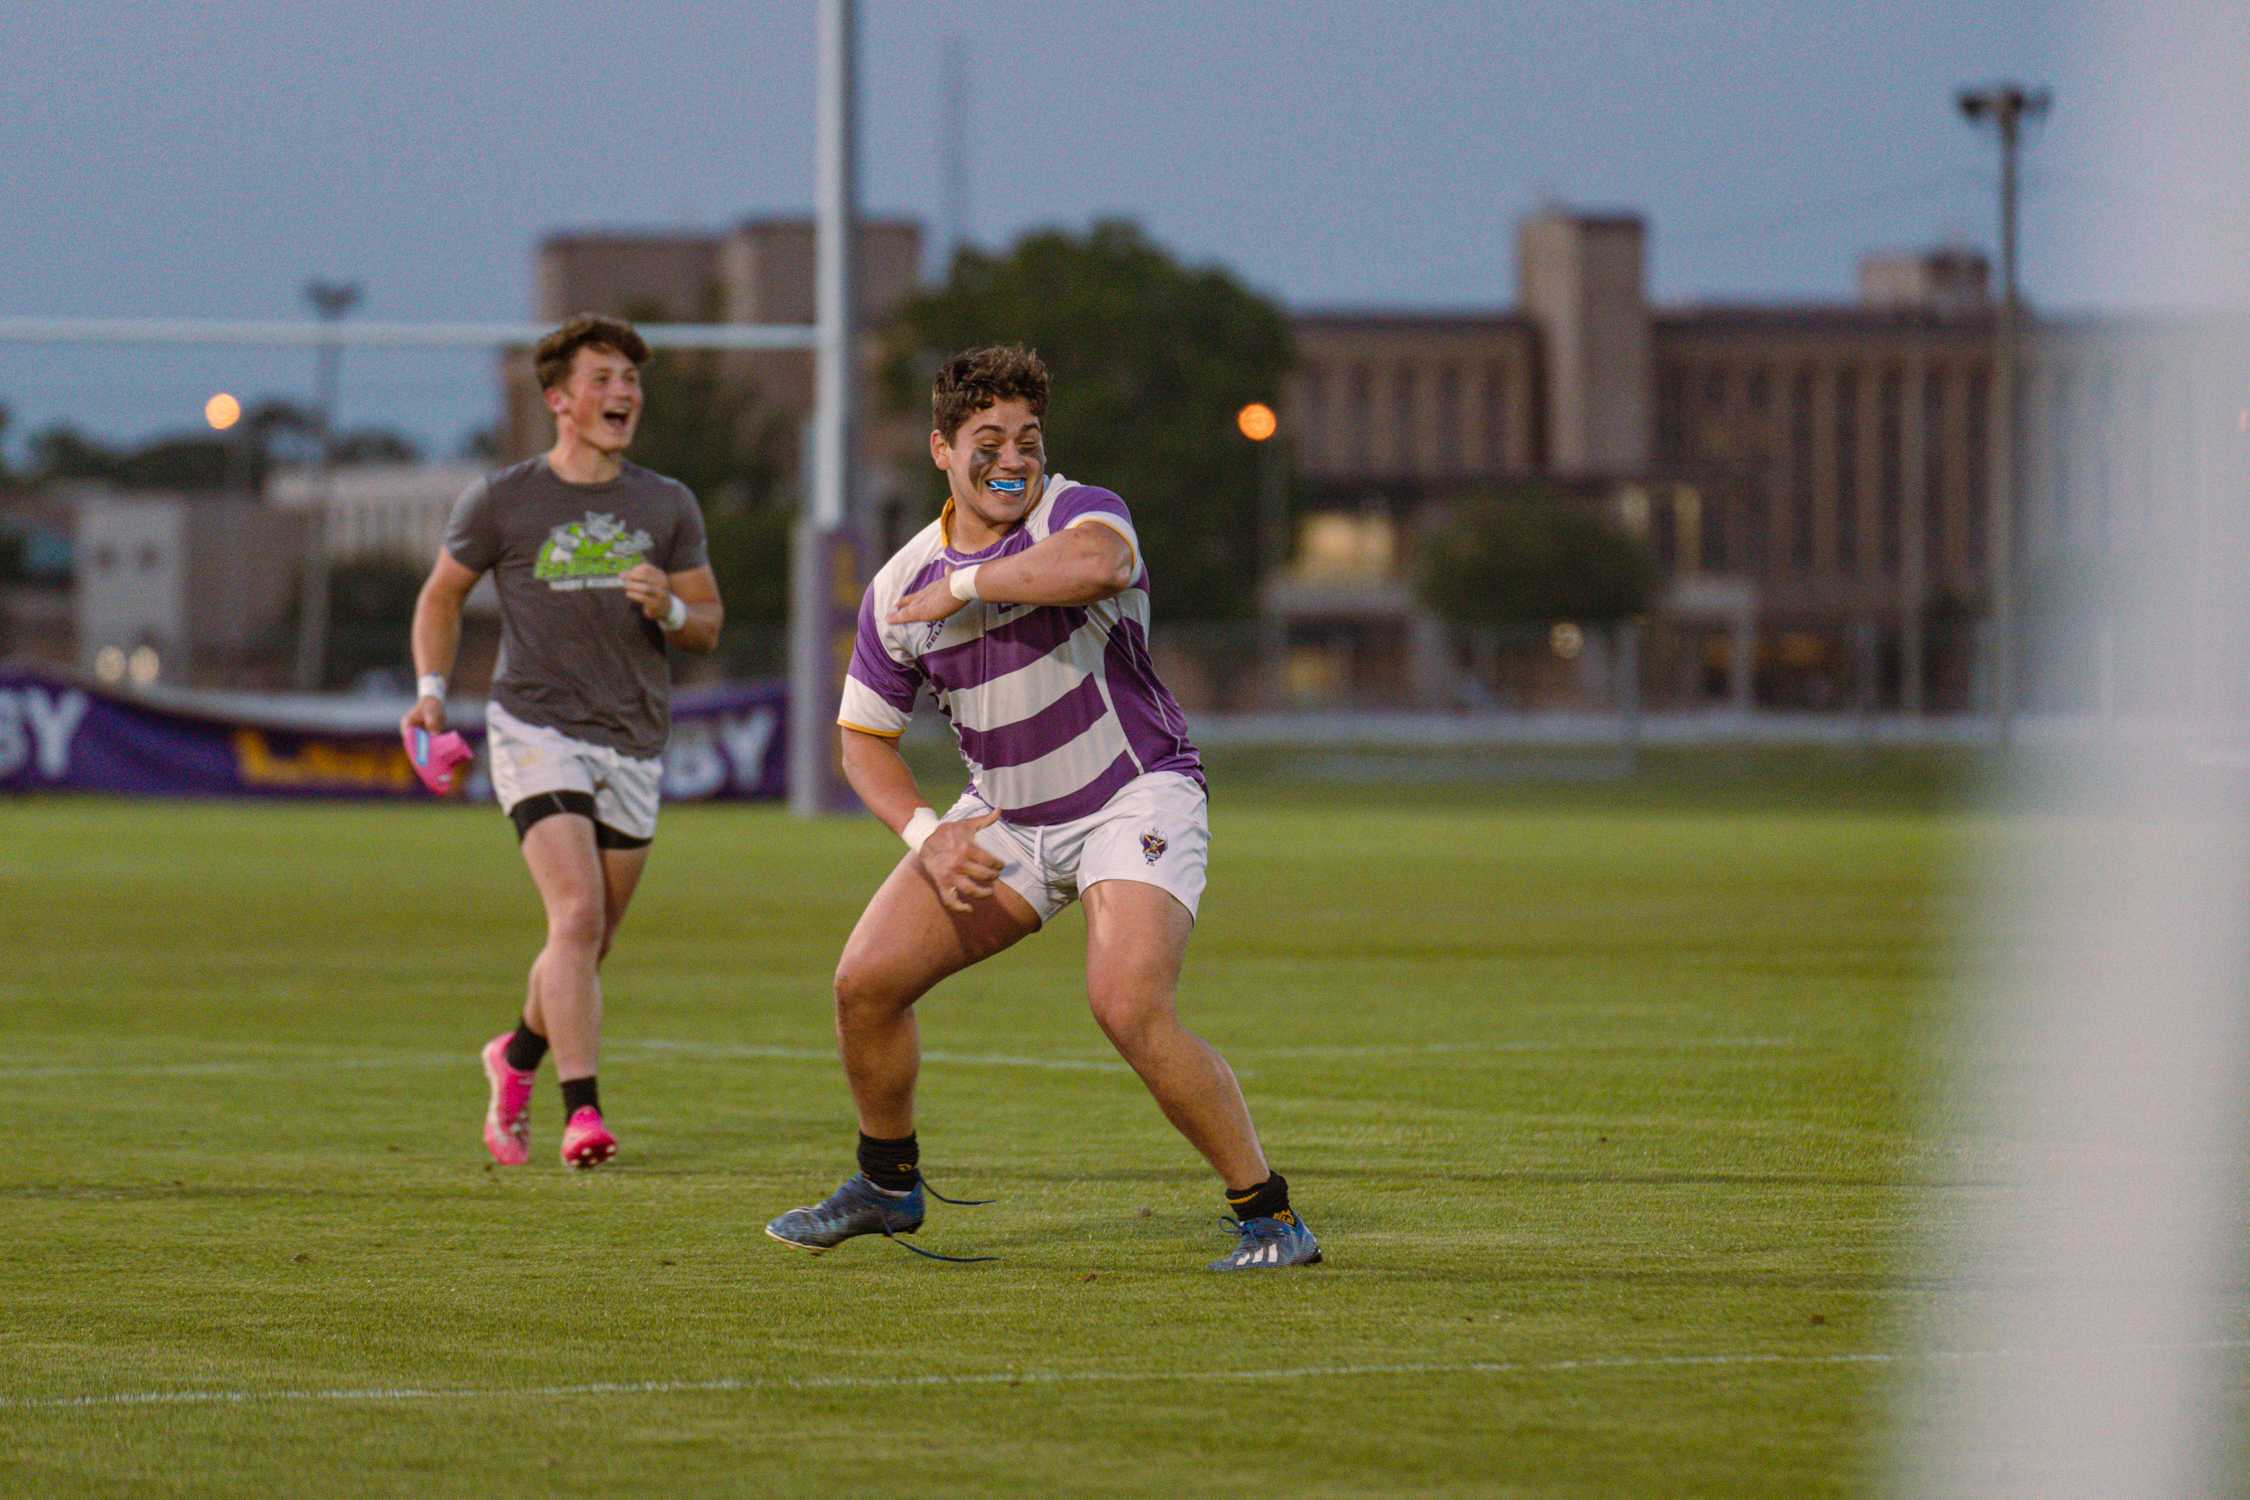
{"x":528,"y":759}
{"x":1156,"y":830}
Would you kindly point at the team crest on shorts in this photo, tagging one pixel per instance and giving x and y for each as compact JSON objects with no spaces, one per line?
{"x":1153,"y":846}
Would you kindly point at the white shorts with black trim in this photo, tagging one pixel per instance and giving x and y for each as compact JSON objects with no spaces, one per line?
{"x":1156,"y":830}
{"x":530,"y":759}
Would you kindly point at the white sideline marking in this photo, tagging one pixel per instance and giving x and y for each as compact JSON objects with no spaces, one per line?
{"x":828,"y":1054}
{"x":1528,"y":1044}
{"x":274,"y":1067}
{"x":278,"y":1067}
{"x":297,"y":1063}
{"x":1016,"y":1377}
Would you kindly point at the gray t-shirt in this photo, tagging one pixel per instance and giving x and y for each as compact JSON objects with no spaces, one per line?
{"x":575,"y":654}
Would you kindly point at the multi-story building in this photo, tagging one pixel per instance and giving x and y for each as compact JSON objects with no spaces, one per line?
{"x":761,"y":271}
{"x":181,"y":588}
{"x":1816,"y":481}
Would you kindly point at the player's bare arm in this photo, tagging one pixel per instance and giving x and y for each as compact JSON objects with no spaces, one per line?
{"x":653,"y":592}
{"x":437,"y":637}
{"x":959,"y":868}
{"x":1081,"y":565}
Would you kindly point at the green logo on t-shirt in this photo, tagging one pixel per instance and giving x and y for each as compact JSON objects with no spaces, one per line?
{"x":590,"y":553}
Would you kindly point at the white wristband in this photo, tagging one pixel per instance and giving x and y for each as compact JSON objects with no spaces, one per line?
{"x":429,"y":685}
{"x":964,"y":583}
{"x":919,"y":828}
{"x":674,"y":617}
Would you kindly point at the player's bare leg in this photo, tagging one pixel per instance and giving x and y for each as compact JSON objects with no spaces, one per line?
{"x":568,"y":870}
{"x":1136,"y":942}
{"x":904,"y":944}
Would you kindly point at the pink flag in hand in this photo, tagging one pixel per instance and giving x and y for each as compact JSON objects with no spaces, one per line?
{"x":434,"y":756}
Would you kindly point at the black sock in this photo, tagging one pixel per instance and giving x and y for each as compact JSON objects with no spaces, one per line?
{"x":1269,"y":1199}
{"x":580,"y":1093}
{"x":890,"y":1165}
{"x":525,"y":1049}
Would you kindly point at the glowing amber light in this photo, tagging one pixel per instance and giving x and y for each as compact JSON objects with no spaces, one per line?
{"x":222,"y":411}
{"x":1257,"y":421}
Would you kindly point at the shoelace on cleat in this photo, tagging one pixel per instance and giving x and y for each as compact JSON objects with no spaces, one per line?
{"x":956,"y":1202}
{"x":956,"y":1260}
{"x":1241,"y":1229}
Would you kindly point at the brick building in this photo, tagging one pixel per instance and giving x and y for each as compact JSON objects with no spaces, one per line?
{"x":1815,"y":479}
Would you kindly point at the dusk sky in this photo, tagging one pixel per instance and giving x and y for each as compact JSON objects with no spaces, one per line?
{"x":205,"y":160}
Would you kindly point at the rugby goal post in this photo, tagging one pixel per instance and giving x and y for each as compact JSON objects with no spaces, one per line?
{"x":827,"y":569}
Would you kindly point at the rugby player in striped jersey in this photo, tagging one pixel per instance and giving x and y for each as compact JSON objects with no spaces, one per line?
{"x":1023,"y":611}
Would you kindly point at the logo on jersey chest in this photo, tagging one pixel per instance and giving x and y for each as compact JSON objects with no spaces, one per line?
{"x":593,"y":553}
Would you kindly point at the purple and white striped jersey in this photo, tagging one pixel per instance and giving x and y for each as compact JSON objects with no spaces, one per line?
{"x":1056,"y":706}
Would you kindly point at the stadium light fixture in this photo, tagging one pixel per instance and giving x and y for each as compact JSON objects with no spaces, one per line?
{"x":222,"y":411}
{"x":1257,"y":421}
{"x":2007,"y":105}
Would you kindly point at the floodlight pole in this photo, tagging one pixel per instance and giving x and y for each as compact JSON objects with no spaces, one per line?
{"x":330,"y":301}
{"x":824,"y":576}
{"x":2008,"y":105}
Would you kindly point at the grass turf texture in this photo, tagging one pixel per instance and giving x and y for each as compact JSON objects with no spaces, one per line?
{"x":1600,"y":1096}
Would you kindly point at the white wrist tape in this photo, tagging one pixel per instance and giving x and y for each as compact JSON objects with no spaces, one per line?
{"x":919,"y":828}
{"x":429,"y":685}
{"x":964,"y":583}
{"x":676,"y":616}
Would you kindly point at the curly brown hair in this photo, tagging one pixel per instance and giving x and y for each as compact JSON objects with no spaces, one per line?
{"x":586,"y":331}
{"x":977,"y":378}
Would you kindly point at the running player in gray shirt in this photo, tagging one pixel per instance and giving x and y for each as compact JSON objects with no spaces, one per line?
{"x":601,"y":570}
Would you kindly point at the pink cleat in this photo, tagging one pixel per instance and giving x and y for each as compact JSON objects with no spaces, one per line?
{"x":507,"y":1119}
{"x":586,"y":1140}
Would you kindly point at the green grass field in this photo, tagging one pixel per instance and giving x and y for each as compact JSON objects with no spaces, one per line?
{"x":1602,"y":1096}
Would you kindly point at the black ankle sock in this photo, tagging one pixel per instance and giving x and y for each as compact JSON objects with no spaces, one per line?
{"x":525,"y":1049}
{"x":890,"y":1165}
{"x":580,"y":1093}
{"x":1264,"y":1201}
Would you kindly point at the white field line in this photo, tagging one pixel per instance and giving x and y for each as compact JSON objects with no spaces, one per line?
{"x":299,"y":1063}
{"x":828,"y":1055}
{"x":971,"y":1380}
{"x":1443,"y":1049}
{"x":260,"y":1067}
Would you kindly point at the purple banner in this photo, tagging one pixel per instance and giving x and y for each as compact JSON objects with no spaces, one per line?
{"x":59,"y":734}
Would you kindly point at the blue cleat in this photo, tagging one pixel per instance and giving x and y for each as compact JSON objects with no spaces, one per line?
{"x":856,"y":1208}
{"x":1262,"y":1243}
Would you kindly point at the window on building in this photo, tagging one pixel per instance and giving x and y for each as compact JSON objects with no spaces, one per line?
{"x":1758,"y":504}
{"x":1362,"y":419}
{"x":1758,"y":391}
{"x":1938,"y":501}
{"x":1496,"y":416}
{"x":1449,"y":420}
{"x":1801,"y":469}
{"x":1406,"y":400}
{"x":1310,"y":437}
{"x":1671,"y":417}
{"x":1890,"y":437}
{"x":1711,"y":514}
{"x":1976,"y":485}
{"x":1713,"y":395}
{"x":1847,"y":471}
